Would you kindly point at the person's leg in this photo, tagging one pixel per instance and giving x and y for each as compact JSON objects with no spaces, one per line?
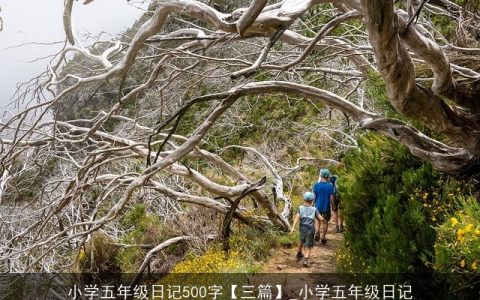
{"x":299,"y":252}
{"x":317,"y":230}
{"x":308,"y":249}
{"x":300,"y":245}
{"x":307,"y":252}
{"x":336,"y":219}
{"x":307,"y":255}
{"x":340,"y":220}
{"x":326,"y":215}
{"x":324,"y":229}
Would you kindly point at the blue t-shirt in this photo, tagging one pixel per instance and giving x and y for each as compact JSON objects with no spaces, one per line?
{"x":323,"y":191}
{"x":307,"y":218}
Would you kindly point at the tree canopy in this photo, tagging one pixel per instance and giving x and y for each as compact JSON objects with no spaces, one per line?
{"x":182,"y":109}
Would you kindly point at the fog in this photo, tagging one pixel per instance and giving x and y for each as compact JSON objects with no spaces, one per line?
{"x":31,"y":26}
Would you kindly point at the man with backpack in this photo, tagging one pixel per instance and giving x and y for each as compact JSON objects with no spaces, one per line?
{"x":337,"y":217}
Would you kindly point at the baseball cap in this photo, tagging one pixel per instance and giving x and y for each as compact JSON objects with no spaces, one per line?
{"x":308,"y":196}
{"x":324,"y":173}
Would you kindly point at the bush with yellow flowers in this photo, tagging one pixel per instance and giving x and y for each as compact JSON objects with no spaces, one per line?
{"x":442,"y":199}
{"x":395,"y":208}
{"x":457,"y":246}
{"x":213,"y":261}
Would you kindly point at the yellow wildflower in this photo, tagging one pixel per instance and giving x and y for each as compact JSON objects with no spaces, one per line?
{"x":477,"y":232}
{"x":469,"y":227}
{"x":434,"y":219}
{"x":474,"y":266}
{"x":462,"y":263}
{"x":425,"y":205}
{"x":460,"y":234}
{"x":454,"y":221}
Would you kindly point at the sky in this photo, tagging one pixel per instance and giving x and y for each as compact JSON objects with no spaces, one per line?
{"x":40,"y":21}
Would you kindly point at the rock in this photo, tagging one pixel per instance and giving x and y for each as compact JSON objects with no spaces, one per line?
{"x":281,"y":267}
{"x":271,"y":252}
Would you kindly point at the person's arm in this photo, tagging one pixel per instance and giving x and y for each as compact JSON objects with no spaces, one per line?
{"x":317,"y":225}
{"x":295,"y":221}
{"x":318,"y":217}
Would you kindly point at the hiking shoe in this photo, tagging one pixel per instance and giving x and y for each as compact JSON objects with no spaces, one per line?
{"x":317,"y":237}
{"x":299,"y":255}
{"x":323,"y":241}
{"x":305,"y":262}
{"x":337,"y":229}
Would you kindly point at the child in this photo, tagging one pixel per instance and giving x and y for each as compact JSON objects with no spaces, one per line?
{"x":309,"y":218}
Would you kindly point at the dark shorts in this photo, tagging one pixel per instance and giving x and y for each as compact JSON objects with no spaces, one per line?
{"x":326,"y":215}
{"x":306,"y":239}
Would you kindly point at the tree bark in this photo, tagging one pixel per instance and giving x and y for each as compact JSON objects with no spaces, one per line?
{"x":396,"y":67}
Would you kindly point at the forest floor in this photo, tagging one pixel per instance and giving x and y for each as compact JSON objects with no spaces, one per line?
{"x":321,"y":268}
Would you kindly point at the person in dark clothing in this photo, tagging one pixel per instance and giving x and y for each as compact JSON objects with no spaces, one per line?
{"x":324,"y":198}
{"x":337,"y":216}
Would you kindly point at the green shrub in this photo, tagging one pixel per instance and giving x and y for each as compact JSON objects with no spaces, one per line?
{"x":145,"y":229}
{"x":387,"y":230}
{"x":392,"y":203}
{"x":98,"y":255}
{"x":457,"y":247}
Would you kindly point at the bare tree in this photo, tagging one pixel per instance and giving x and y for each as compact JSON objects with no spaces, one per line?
{"x":67,"y":177}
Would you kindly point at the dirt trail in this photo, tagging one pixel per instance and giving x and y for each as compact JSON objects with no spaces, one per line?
{"x":321,"y":270}
{"x":322,"y":258}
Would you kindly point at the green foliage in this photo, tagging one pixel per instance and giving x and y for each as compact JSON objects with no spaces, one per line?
{"x":194,"y":116}
{"x":288,"y":239}
{"x":457,"y":246}
{"x":349,"y":28}
{"x":445,"y":25}
{"x":252,"y":244}
{"x":389,"y":227}
{"x":376,"y":89}
{"x":25,"y":185}
{"x":257,"y":120}
{"x":316,"y":18}
{"x":398,"y":213}
{"x":145,"y":229}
